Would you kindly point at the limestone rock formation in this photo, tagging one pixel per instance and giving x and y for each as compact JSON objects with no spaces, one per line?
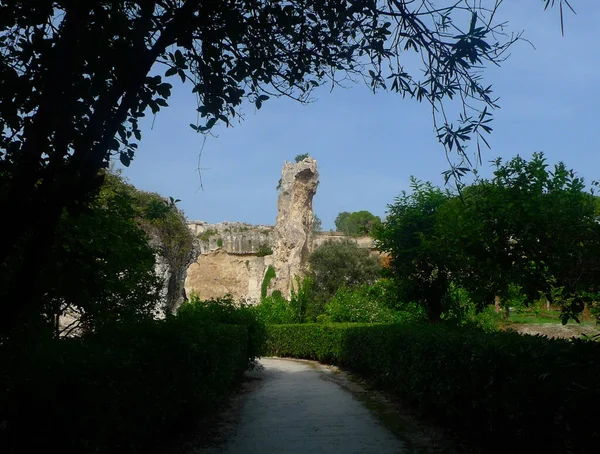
{"x":176,"y":249}
{"x":219,"y":272}
{"x":231,"y":237}
{"x":292,"y":234}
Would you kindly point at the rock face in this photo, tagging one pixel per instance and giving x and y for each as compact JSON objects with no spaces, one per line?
{"x":173,"y":258}
{"x":220,"y":272}
{"x":231,"y":237}
{"x":236,"y":256}
{"x":292,"y":234}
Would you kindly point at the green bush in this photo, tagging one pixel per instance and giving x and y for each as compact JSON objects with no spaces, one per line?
{"x":460,"y":310}
{"x":301,"y":157}
{"x":205,"y":236}
{"x":124,"y":389}
{"x":501,"y":390}
{"x":303,"y":300}
{"x":226,"y":310}
{"x":336,"y":264}
{"x":364,"y":304}
{"x":264,"y":250}
{"x":269,"y":276}
{"x":275,"y":309}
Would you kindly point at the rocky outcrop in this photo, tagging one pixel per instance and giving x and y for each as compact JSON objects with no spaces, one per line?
{"x":232,"y":237}
{"x":220,"y":272}
{"x":293,"y":228}
{"x":176,"y":249}
{"x":235,"y":256}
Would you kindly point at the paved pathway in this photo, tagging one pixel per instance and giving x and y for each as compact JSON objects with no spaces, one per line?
{"x":295,"y":409}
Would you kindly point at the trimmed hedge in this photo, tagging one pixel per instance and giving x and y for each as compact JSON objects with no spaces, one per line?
{"x":122,"y":390}
{"x":505,"y":392}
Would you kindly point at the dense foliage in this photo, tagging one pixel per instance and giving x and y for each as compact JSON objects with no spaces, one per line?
{"x":125,"y":388}
{"x":78,"y":76}
{"x":504,"y":391}
{"x":275,"y":309}
{"x":301,"y":157}
{"x":103,"y":267}
{"x":357,"y":223}
{"x":531,"y":227}
{"x":369,"y":303}
{"x":226,"y":310}
{"x":418,"y":263}
{"x":337,"y":264}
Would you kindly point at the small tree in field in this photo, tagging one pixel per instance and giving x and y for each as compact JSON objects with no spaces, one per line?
{"x":418,"y":262}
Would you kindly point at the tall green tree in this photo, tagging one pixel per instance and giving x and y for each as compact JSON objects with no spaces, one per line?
{"x":78,"y":75}
{"x":419,"y":262}
{"x":337,"y":264}
{"x":533,"y":225}
{"x":356,"y":223}
{"x":103,"y":267}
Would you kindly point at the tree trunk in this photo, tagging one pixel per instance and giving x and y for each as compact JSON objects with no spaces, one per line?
{"x":434,"y":310}
{"x":497,"y":304}
{"x":36,"y":195}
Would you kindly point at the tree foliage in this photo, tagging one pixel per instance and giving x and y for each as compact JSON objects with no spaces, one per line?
{"x":317,"y":224}
{"x":103,"y":264}
{"x":531,"y":227}
{"x":77,"y":76}
{"x":409,"y":236}
{"x":356,"y":223}
{"x":336,"y":264}
{"x":301,"y":157}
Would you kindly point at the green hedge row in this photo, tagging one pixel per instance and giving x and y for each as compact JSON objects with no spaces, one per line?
{"x":505,"y":392}
{"x":122,"y":390}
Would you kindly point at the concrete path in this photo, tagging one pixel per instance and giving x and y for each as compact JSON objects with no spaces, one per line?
{"x":295,"y":409}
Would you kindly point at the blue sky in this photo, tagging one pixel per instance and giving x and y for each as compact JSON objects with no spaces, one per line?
{"x":367,"y":146}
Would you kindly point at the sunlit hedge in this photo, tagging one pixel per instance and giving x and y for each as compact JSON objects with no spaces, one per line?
{"x":506,"y":392}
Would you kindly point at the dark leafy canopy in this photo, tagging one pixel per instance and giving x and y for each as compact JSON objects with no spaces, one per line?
{"x":530,"y":227}
{"x":356,"y":223}
{"x":102,"y":264}
{"x":78,"y":75}
{"x":409,"y":235}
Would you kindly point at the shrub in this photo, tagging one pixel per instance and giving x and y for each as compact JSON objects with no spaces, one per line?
{"x":124,"y":389}
{"x":219,"y":242}
{"x":226,"y":310}
{"x":275,"y":309}
{"x":364,"y":304}
{"x":264,"y":250}
{"x":303,"y":301}
{"x":301,"y":157}
{"x":500,"y":390}
{"x":269,"y":276}
{"x":336,"y":264}
{"x":205,"y":236}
